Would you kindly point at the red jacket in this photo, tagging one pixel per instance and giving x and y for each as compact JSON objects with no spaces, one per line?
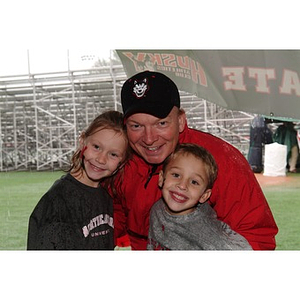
{"x":236,"y":196}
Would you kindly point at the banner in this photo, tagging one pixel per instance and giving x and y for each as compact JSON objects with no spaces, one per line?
{"x":265,"y":82}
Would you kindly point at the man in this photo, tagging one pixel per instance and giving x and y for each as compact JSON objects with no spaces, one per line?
{"x":155,"y":124}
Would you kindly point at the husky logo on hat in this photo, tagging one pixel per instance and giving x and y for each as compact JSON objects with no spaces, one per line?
{"x":140,"y":87}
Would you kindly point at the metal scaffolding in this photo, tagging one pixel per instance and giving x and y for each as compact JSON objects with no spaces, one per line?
{"x":42,"y":115}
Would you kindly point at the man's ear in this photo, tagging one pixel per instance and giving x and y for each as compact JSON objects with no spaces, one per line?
{"x":182,"y":120}
{"x":161,"y":179}
{"x":205,"y":196}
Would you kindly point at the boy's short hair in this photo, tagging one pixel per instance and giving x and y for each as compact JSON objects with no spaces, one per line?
{"x":200,"y":153}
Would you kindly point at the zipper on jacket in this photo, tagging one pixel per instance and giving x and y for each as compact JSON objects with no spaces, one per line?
{"x":154,"y":168}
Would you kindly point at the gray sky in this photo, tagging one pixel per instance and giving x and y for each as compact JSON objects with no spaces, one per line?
{"x":49,"y":28}
{"x":14,"y":61}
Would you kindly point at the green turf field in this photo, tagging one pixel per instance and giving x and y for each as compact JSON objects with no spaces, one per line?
{"x":20,"y":192}
{"x":284,"y":201}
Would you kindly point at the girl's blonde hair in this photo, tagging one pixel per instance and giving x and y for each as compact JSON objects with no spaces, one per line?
{"x":108,"y":120}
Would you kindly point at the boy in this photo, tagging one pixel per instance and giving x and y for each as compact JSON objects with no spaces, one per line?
{"x":181,"y":219}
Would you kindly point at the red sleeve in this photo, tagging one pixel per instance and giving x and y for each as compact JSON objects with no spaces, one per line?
{"x":119,"y":223}
{"x":236,"y":196}
{"x":239,"y":201}
{"x":119,"y":214}
{"x":120,"y":218}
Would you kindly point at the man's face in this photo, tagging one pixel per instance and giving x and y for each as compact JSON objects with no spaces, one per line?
{"x":153,"y":138}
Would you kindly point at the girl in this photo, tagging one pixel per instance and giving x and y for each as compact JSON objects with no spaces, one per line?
{"x":77,"y":212}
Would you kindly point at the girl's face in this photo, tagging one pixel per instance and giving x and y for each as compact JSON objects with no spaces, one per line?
{"x":103,"y":153}
{"x":184,"y":184}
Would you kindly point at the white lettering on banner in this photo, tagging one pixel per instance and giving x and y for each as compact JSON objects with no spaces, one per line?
{"x":236,"y":79}
{"x":262,"y":76}
{"x":235,"y":75}
{"x":290,"y":82}
{"x":169,"y":62}
{"x":97,"y":221}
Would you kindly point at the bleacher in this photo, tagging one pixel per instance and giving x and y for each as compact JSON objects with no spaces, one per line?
{"x":42,"y":115}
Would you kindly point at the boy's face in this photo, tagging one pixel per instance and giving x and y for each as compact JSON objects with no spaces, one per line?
{"x":184,"y":184}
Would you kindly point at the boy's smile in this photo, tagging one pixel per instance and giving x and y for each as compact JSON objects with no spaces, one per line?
{"x":184,"y":184}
